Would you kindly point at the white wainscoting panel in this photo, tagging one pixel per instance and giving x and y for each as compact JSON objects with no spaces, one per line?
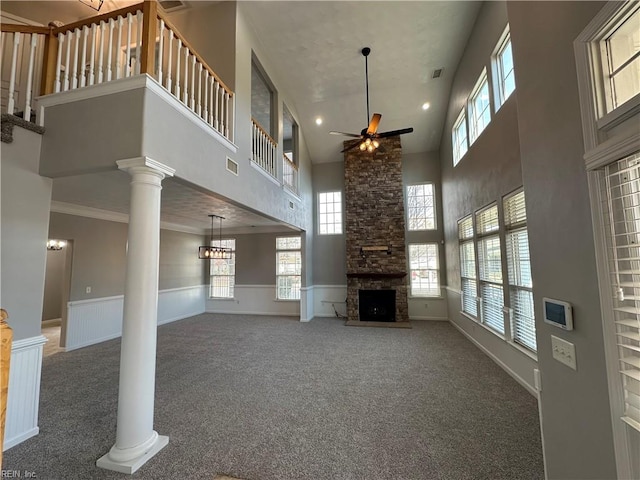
{"x":429,"y":308}
{"x":306,"y":304}
{"x":254,"y":300}
{"x":100,"y":319}
{"x":325,"y":297}
{"x":24,"y":390}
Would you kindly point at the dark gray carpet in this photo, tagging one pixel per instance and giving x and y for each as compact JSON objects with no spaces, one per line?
{"x":270,"y":398}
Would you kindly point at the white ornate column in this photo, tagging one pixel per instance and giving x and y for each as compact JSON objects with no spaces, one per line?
{"x":136,"y":441}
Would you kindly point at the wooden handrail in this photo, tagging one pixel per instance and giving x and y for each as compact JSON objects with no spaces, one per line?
{"x":105,"y":16}
{"x":293,"y":165}
{"x":10,"y":27}
{"x":171,"y":26}
{"x":264,"y":132}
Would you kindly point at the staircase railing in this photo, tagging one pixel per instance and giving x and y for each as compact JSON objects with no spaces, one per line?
{"x":289,"y":174}
{"x":263,"y":149}
{"x":135,"y":40}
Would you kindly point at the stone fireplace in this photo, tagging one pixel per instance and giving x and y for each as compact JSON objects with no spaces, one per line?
{"x":375,"y":236}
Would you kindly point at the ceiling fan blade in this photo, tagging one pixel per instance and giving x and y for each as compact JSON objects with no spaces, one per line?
{"x":393,"y":133}
{"x":355,"y":135}
{"x":354,"y":144}
{"x":373,"y":124}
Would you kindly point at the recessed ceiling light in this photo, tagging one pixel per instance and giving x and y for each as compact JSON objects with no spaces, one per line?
{"x":318,"y":120}
{"x":425,"y":106}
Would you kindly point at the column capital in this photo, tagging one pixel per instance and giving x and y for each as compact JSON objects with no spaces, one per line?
{"x":133,"y":163}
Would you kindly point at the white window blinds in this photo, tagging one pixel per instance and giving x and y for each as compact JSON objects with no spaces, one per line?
{"x":523,"y":327}
{"x":468,"y":284}
{"x":622,"y":190}
{"x":490,"y":268}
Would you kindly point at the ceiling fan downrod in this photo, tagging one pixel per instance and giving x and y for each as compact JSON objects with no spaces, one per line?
{"x":366,"y":51}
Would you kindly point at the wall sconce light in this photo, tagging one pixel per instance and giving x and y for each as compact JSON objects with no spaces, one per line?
{"x":56,"y":244}
{"x":211,"y":252}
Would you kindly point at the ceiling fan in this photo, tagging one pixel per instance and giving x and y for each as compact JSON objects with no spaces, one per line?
{"x":368,"y":139}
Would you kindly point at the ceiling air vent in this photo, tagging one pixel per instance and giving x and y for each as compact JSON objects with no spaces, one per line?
{"x":437,"y":73}
{"x":172,"y":5}
{"x":232,"y":166}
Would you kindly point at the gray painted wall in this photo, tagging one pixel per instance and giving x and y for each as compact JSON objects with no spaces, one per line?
{"x":575,"y":404}
{"x":26,"y":199}
{"x":99,"y":256}
{"x":53,"y":282}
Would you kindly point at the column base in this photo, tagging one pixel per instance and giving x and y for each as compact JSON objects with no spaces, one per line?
{"x":130,"y":466}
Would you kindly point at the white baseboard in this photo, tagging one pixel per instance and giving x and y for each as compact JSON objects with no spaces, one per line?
{"x":100,"y":319}
{"x":432,"y":319}
{"x":530,"y":388}
{"x":24,"y":390}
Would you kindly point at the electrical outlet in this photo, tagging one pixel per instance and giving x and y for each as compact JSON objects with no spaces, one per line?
{"x":564,"y":352}
{"x":88,"y":290}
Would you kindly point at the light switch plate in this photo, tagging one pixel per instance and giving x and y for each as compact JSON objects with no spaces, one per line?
{"x":564,"y":352}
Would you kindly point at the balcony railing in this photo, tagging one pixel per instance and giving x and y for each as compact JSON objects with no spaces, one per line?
{"x":263,"y":149}
{"x":289,"y":174}
{"x":135,"y":40}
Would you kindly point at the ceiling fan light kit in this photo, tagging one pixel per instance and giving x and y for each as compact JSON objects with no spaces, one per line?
{"x":368,"y":140}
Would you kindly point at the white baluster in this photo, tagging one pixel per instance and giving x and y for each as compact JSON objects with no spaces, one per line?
{"x":192,"y":103}
{"x":32,"y":51}
{"x":169,"y":60}
{"x":177,"y":93}
{"x":185,"y":97}
{"x":112,"y":24}
{"x":127,"y":59}
{"x":199,"y":99}
{"x":160,"y":52}
{"x":56,"y":87}
{"x":206,"y":95}
{"x":101,"y":53}
{"x":226,"y":114}
{"x":118,"y":45}
{"x":83,"y":59}
{"x":92,"y":55}
{"x":74,"y":70}
{"x":211,"y":112}
{"x":233,"y":109}
{"x":139,"y":40}
{"x":217,"y":114}
{"x":67,"y":64}
{"x":2,"y":39}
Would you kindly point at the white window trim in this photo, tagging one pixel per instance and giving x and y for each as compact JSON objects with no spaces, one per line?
{"x":278,"y":250}
{"x":341,"y":232}
{"x":433,"y":206}
{"x":439,"y":294}
{"x":233,"y":253}
{"x":472,"y":135}
{"x":462,"y":118}
{"x":496,"y":74}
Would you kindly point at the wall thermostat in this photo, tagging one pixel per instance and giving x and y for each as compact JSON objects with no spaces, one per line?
{"x":558,"y":313}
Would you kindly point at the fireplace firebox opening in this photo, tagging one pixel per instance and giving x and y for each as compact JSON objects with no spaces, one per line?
{"x":377,"y":305}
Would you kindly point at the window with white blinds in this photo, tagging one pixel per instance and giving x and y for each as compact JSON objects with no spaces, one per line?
{"x":490,"y":268}
{"x":424,"y":270}
{"x":468,"y":283}
{"x":523,"y":326}
{"x":223,"y":271}
{"x":621,"y":188}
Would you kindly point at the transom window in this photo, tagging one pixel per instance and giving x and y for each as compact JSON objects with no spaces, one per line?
{"x":424,"y":270}
{"x":459,"y":138}
{"x":620,"y":50}
{"x":479,"y":111}
{"x":421,"y":207}
{"x":223,"y":271}
{"x":505,"y":77}
{"x":288,"y":268}
{"x":330,"y":213}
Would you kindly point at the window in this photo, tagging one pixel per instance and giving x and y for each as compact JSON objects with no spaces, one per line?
{"x":459,"y":138}
{"x":505,"y":80}
{"x":424,"y":270}
{"x":479,"y":111}
{"x":490,"y":268}
{"x":621,"y":188}
{"x":468,"y":283}
{"x":523,"y":326}
{"x":288,"y":268}
{"x":420,"y":207}
{"x":261,"y":98}
{"x":620,"y":51}
{"x":223,"y":271}
{"x":330,"y":213}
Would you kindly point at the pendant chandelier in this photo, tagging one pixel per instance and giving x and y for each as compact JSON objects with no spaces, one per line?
{"x":211,"y":252}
